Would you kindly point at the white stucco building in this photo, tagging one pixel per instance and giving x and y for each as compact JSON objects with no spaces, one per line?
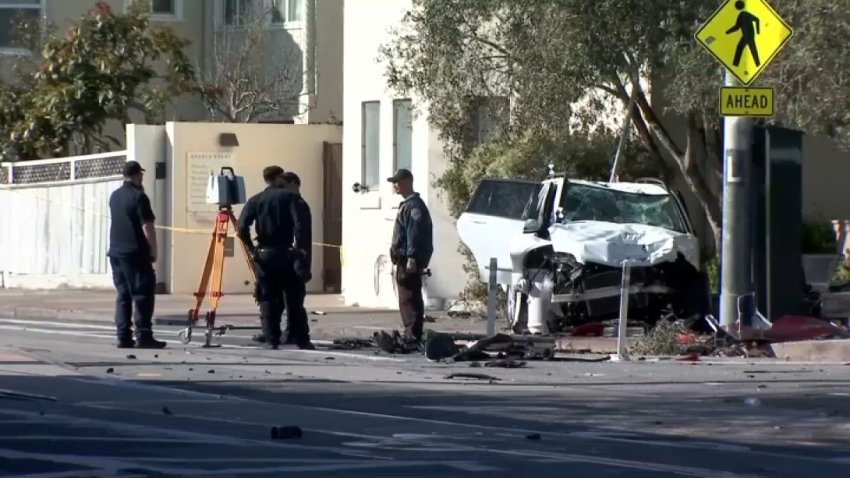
{"x":378,"y":138}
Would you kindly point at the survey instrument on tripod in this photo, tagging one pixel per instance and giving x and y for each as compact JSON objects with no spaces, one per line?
{"x":224,"y":190}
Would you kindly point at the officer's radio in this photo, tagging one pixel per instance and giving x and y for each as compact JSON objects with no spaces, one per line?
{"x":226,"y":188}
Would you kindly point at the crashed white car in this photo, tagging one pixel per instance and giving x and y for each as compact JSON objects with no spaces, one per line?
{"x":560,"y":246}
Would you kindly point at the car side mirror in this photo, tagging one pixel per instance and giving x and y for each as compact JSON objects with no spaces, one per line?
{"x":531,"y":226}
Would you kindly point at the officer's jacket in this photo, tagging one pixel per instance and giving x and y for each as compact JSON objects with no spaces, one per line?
{"x":305,"y":219}
{"x":413,"y":232}
{"x":277,"y":218}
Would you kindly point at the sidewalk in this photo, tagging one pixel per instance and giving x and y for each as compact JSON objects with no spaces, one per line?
{"x":329,"y":317}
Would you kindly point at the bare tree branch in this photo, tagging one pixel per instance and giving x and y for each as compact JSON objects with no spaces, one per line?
{"x":256,"y":72}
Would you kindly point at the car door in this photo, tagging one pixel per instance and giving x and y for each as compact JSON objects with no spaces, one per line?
{"x":497,"y":212}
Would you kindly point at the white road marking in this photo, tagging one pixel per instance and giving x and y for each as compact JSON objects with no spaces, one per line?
{"x":20,"y":327}
{"x":67,"y":325}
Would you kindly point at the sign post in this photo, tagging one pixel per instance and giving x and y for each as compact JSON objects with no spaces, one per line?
{"x":744,"y":36}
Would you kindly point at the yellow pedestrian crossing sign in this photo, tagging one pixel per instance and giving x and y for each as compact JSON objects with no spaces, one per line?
{"x":745,"y":36}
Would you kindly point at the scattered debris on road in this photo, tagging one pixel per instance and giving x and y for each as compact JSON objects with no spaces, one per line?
{"x":474,"y":376}
{"x":346,"y":343}
{"x":505,"y":363}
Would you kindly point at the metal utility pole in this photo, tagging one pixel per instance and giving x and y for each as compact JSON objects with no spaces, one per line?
{"x":736,"y":253}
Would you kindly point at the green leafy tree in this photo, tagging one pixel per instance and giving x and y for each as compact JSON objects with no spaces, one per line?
{"x":106,"y":67}
{"x":550,"y":55}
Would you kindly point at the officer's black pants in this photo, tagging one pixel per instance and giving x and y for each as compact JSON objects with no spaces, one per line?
{"x":278,"y":289}
{"x":135,"y":283}
{"x":410,"y":301}
{"x":297,"y":324}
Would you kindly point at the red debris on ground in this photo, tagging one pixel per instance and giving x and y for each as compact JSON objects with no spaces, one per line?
{"x":596,"y":329}
{"x":686,"y":339}
{"x":794,"y":328}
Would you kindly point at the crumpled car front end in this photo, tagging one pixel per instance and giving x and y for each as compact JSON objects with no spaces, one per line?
{"x":580,"y":272}
{"x":578,"y":267}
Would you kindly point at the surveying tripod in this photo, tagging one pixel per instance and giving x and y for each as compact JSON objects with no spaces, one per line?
{"x":212,"y":277}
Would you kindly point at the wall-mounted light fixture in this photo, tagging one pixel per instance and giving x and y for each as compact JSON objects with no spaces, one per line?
{"x":228,"y":140}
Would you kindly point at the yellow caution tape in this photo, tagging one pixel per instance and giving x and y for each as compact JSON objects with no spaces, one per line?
{"x":163,"y":228}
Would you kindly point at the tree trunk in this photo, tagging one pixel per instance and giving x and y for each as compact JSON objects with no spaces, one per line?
{"x":686,"y":162}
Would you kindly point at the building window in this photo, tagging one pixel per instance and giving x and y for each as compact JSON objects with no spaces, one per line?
{"x":11,"y":11}
{"x":287,"y":11}
{"x":402,"y":134}
{"x":164,"y":7}
{"x":161,"y":10}
{"x":370,"y":140}
{"x":235,"y":13}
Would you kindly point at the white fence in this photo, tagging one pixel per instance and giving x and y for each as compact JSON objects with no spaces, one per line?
{"x":54,"y":224}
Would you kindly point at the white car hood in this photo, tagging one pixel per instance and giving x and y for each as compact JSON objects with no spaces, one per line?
{"x":610,"y":243}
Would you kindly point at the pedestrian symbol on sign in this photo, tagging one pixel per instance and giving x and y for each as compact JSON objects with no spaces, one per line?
{"x":745,"y":36}
{"x":749,"y":26}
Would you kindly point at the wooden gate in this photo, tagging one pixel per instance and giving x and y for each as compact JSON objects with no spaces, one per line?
{"x":332,"y":215}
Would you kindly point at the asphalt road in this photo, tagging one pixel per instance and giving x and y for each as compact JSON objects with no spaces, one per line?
{"x":71,"y":405}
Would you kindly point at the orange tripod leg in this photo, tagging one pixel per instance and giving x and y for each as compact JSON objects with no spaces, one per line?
{"x":222,"y":220}
{"x":205,"y":278}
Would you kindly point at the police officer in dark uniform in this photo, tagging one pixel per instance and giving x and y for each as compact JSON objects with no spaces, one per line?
{"x":277,"y":226}
{"x":410,"y":251}
{"x":132,"y":252}
{"x":297,"y":325}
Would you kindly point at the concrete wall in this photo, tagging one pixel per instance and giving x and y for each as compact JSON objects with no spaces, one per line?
{"x":297,"y":148}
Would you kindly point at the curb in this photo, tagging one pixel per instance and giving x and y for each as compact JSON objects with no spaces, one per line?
{"x":814,"y":350}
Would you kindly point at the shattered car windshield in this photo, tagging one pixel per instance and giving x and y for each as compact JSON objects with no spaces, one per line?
{"x":598,"y":203}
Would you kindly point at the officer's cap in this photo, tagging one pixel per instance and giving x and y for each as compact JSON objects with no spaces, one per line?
{"x":132,"y":168}
{"x":400,"y":175}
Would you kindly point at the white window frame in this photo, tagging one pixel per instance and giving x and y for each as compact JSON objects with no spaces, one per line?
{"x":177,"y":16}
{"x":397,"y":104}
{"x":267,"y":5}
{"x":41,"y":6}
{"x":364,"y":159}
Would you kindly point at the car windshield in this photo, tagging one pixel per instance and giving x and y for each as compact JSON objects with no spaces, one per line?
{"x":599,"y":203}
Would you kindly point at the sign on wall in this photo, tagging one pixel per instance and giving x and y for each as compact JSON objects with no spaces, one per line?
{"x":200,"y":167}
